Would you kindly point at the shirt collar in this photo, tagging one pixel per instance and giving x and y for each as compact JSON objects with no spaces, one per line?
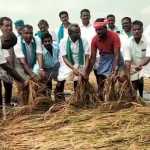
{"x":124,"y":33}
{"x":26,"y":43}
{"x":72,"y":41}
{"x":45,"y":51}
{"x":89,"y":25}
{"x":141,"y":41}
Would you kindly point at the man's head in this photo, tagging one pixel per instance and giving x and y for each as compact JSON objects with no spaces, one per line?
{"x":64,"y":17}
{"x":8,"y":40}
{"x":100,"y":26}
{"x":137,"y":29}
{"x":47,"y":40}
{"x":27,"y":33}
{"x":19,"y":24}
{"x":43,"y":25}
{"x":5,"y":25}
{"x":85,"y":16}
{"x":111,"y":21}
{"x":74,"y":32}
{"x":126,"y":24}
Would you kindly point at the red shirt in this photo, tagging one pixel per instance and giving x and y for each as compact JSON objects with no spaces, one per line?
{"x":107,"y":45}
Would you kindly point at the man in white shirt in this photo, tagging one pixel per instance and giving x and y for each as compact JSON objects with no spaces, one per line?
{"x":75,"y":53}
{"x":87,"y":29}
{"x":7,"y":41}
{"x":62,"y":31}
{"x":6,"y":27}
{"x":111,"y":23}
{"x":28,"y":51}
{"x":126,"y":32}
{"x":88,"y":32}
{"x":137,"y":55}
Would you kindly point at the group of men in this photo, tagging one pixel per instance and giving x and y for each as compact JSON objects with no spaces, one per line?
{"x":72,"y":50}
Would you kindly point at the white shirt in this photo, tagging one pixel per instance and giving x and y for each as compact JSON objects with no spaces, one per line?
{"x":74,"y":48}
{"x":87,"y":32}
{"x":136,"y":53}
{"x":18,"y":48}
{"x":64,"y":70}
{"x":2,"y":57}
{"x":123,"y":39}
{"x":65,"y":33}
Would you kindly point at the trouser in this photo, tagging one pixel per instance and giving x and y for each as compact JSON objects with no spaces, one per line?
{"x":49,"y":85}
{"x":139,"y":86}
{"x":59,"y":91}
{"x":96,"y":75}
{"x":101,"y":79}
{"x":8,"y":92}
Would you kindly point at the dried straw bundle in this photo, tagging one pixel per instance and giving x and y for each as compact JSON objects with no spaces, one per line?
{"x":84,"y":95}
{"x":118,"y":89}
{"x":36,"y":95}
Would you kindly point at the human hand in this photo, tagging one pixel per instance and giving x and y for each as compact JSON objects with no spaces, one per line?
{"x":76,"y":71}
{"x":42,"y":74}
{"x":138,"y":68}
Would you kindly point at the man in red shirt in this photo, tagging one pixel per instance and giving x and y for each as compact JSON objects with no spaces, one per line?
{"x":108,"y":44}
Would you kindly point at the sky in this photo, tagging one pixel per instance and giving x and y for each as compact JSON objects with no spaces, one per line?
{"x":31,"y":11}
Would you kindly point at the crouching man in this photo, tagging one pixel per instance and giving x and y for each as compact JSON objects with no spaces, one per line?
{"x":50,"y":59}
{"x":7,"y":41}
{"x":75,"y":52}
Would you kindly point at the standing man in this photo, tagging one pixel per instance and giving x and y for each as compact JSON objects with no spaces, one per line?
{"x":126,"y":32}
{"x":75,"y":52}
{"x":88,"y":32}
{"x":63,"y":29}
{"x":44,"y":27}
{"x":108,"y":45}
{"x":62,"y":32}
{"x":87,"y":29}
{"x":137,"y":55}
{"x":111,"y":23}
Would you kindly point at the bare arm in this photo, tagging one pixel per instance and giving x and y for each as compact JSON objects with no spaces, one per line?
{"x":145,"y":61}
{"x":86,"y":60}
{"x":128,"y":68}
{"x":12,"y":72}
{"x":91,"y":61}
{"x":67,"y":62}
{"x":40,"y":60}
{"x":26,"y":67}
{"x":117,"y":58}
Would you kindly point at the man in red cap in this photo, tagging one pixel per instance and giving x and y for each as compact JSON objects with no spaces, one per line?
{"x":108,"y":44}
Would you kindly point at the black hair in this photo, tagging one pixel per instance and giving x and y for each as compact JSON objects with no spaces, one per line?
{"x":84,"y":10}
{"x":126,"y":18}
{"x":4,"y":18}
{"x":46,"y":35}
{"x":63,"y":12}
{"x":110,"y":15}
{"x":28,"y":26}
{"x":138,"y":22}
{"x":42,"y":21}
